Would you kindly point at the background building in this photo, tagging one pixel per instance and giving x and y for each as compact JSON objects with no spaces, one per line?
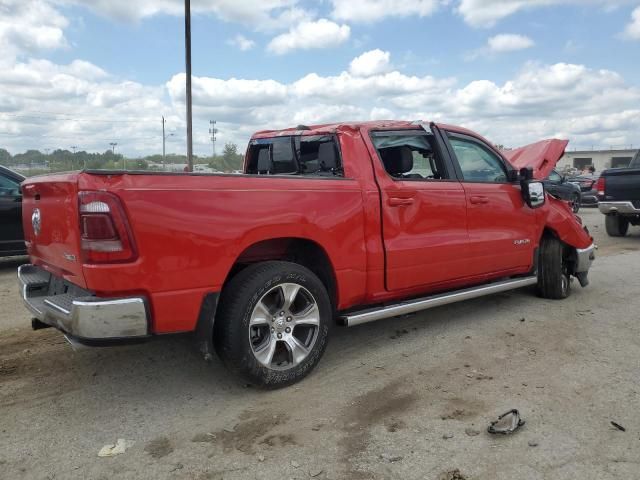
{"x":600,"y":159}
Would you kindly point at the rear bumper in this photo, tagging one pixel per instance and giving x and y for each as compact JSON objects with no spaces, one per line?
{"x":624,"y":208}
{"x":78,"y":312}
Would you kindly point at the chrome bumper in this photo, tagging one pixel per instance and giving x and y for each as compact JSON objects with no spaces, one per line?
{"x":618,"y":207}
{"x":584,"y":258}
{"x":77,"y":312}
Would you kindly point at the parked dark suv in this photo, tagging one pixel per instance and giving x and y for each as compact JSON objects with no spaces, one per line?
{"x":559,"y":187}
{"x":11,"y":236}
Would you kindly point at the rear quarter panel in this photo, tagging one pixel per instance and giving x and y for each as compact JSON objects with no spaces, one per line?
{"x":190,"y":229}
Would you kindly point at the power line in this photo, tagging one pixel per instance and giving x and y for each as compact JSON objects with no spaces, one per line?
{"x":77,"y":119}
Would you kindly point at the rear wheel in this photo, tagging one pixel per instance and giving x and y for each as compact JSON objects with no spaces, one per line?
{"x":616,"y":225}
{"x":575,"y":203}
{"x":554,"y":280}
{"x":273,"y":323}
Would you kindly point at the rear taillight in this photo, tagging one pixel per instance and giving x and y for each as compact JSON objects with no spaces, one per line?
{"x":600,"y":184}
{"x":105,"y":234}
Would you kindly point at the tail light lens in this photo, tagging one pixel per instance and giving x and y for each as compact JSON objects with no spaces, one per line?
{"x":105,"y":234}
{"x":600,"y":184}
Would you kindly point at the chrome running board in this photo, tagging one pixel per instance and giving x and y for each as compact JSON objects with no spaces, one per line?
{"x":418,"y":304}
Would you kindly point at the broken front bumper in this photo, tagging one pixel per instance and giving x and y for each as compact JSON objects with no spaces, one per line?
{"x":77,"y":312}
{"x":584,"y":259}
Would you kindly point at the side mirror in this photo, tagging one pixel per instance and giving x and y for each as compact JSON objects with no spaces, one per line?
{"x":533,"y":193}
{"x":526,"y":174}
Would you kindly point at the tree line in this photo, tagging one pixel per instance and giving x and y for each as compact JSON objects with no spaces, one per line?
{"x":60,"y":160}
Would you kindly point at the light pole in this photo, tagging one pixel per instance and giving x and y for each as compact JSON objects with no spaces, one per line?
{"x":187,"y":51}
{"x":164,"y":139}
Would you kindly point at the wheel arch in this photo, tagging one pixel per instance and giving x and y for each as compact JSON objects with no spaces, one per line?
{"x":302,"y":251}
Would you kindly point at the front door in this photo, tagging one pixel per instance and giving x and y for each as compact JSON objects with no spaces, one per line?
{"x":501,"y":226}
{"x":423,"y":211}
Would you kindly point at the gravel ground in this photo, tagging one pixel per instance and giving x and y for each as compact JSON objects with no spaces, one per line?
{"x":405,"y":398}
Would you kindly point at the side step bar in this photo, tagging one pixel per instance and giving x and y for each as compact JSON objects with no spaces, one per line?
{"x":416,"y":305}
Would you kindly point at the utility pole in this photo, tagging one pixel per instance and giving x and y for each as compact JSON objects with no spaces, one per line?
{"x":113,"y":151}
{"x":187,"y":45}
{"x":46,"y":152}
{"x":213,"y":130}
{"x":74,"y":148}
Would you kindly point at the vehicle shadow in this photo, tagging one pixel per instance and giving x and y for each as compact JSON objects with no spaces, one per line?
{"x":12,"y":263}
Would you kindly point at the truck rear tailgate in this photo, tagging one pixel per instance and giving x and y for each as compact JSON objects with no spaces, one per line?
{"x":50,"y":222}
{"x":623,"y":185}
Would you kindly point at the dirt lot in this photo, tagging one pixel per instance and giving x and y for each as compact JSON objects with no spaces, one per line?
{"x":405,"y":398}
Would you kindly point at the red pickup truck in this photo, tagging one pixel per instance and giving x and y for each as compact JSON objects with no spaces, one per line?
{"x":344,"y":223}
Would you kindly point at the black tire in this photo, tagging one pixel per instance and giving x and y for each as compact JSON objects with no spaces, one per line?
{"x":575,"y":203}
{"x":616,"y":225}
{"x":554,"y":280}
{"x":233,"y":338}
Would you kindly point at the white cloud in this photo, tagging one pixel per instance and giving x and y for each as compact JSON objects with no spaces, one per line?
{"x":260,"y":14}
{"x":241,"y":42}
{"x":370,"y":63}
{"x":632,"y":30}
{"x":47,"y":105}
{"x":509,"y":42}
{"x":486,"y":13}
{"x":375,"y":10}
{"x":321,"y":33}
{"x":29,"y":26}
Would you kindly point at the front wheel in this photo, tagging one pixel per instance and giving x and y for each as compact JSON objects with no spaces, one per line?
{"x":554,"y":280}
{"x":616,"y":225}
{"x":273,"y":323}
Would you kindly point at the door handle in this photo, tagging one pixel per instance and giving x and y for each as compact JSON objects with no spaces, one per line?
{"x":400,"y":202}
{"x":478,"y":200}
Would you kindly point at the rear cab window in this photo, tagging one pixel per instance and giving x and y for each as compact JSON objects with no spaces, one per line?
{"x":306,"y":155}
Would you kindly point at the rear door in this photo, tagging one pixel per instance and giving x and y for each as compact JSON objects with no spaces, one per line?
{"x":423,"y":210}
{"x":501,"y":226}
{"x":11,"y":236}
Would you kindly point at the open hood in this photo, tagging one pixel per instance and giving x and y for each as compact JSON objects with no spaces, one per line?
{"x":541,"y":156}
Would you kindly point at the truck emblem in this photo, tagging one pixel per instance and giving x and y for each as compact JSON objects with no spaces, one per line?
{"x":524,"y":241}
{"x":36,"y":221}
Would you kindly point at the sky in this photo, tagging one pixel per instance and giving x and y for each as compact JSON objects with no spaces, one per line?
{"x":87,"y":73}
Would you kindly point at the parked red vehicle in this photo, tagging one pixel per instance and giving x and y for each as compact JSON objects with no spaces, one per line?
{"x":344,"y":223}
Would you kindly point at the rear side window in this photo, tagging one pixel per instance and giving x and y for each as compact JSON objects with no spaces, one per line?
{"x":314,"y":155}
